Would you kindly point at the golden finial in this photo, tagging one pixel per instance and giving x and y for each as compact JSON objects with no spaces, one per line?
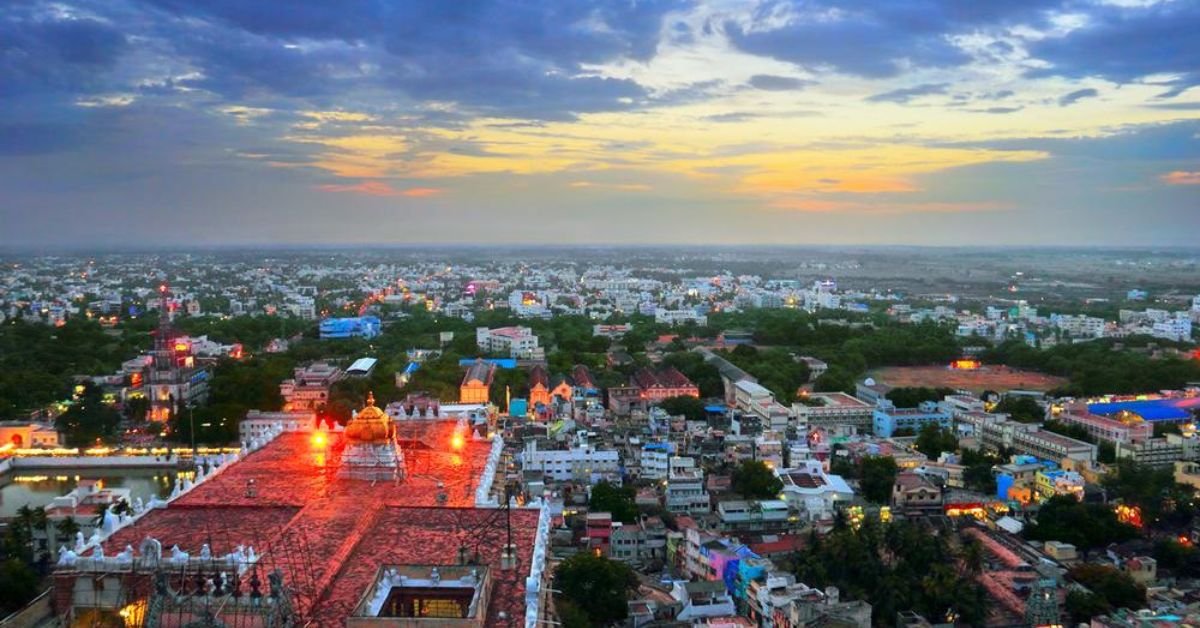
{"x":370,"y":398}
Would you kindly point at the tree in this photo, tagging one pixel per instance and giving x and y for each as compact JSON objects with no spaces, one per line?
{"x":933,"y":439}
{"x":1081,"y":606}
{"x":911,"y":397}
{"x":753,"y":479}
{"x":20,"y":584}
{"x":878,"y":475}
{"x":618,"y":500}
{"x":596,"y":586}
{"x":89,"y":419}
{"x":1021,"y":409}
{"x":1110,"y":584}
{"x":901,"y":567}
{"x":689,"y":407}
{"x":977,"y":474}
{"x":66,"y":529}
{"x":835,"y":379}
{"x":136,"y":408}
{"x":1086,"y":526}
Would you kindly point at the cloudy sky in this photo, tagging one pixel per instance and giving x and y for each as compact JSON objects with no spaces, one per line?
{"x":365,"y":121}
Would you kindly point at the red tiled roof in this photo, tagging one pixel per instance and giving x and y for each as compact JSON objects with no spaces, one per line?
{"x":784,"y":544}
{"x":537,"y":375}
{"x":669,"y":377}
{"x":330,"y":535}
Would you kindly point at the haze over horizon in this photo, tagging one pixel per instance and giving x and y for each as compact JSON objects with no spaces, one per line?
{"x":153,"y":123}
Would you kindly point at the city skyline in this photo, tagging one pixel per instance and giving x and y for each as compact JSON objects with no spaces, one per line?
{"x":166,"y":122}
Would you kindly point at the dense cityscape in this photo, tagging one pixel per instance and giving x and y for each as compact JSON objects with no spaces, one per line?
{"x":599,"y":314}
{"x":743,"y":436}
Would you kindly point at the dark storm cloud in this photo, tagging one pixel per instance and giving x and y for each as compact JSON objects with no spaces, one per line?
{"x":874,"y":39}
{"x":1124,"y":44}
{"x":906,"y":94}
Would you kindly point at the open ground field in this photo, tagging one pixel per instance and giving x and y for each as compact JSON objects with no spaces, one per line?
{"x":997,"y":378}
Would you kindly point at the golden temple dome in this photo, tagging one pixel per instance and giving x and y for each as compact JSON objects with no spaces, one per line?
{"x":370,"y":425}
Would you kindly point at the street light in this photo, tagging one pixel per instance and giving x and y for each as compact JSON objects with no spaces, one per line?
{"x":192,"y":424}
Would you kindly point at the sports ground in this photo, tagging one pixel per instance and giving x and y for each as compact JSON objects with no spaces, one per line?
{"x":987,"y":377}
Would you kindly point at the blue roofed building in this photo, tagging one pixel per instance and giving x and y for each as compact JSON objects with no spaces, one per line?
{"x":352,"y":327}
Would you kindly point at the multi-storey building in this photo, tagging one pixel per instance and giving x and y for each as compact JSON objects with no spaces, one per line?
{"x":669,"y":382}
{"x":832,"y":409}
{"x":809,"y":489}
{"x":675,"y":317}
{"x":581,"y":462}
{"x":995,"y":431}
{"x":888,"y":419}
{"x":308,"y":389}
{"x":754,"y":516}
{"x":685,"y":492}
{"x":516,"y":342}
{"x":353,"y":327}
{"x":1159,"y":452}
{"x":1102,"y":427}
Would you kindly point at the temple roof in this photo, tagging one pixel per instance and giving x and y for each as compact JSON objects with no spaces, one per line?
{"x":330,"y":535}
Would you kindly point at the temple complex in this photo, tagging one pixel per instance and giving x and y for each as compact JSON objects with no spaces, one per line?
{"x":367,"y":525}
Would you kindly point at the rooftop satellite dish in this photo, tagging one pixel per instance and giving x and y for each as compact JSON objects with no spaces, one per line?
{"x":870,"y":381}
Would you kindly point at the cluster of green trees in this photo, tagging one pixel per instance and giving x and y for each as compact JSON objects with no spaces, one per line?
{"x":1087,"y":526}
{"x":88,"y":419}
{"x":20,"y":562}
{"x":592,"y":590}
{"x":753,"y":479}
{"x":898,"y":567}
{"x":849,"y":343}
{"x":933,"y":439}
{"x":1097,"y":367}
{"x":689,"y":407}
{"x":774,"y":368}
{"x":913,"y":396}
{"x":875,"y":474}
{"x":1181,"y":559}
{"x":38,"y":362}
{"x":1021,"y":409}
{"x":1109,"y":589}
{"x":618,"y":500}
{"x":977,"y":471}
{"x":1166,"y":504}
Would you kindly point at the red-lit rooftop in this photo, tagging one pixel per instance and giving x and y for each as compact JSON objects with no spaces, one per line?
{"x":330,"y":535}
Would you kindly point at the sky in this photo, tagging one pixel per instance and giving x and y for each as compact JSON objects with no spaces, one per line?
{"x":932,"y":122}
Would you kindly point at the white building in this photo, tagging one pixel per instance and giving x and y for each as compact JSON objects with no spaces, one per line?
{"x":685,"y":492}
{"x":831,"y":410}
{"x":676,"y":317}
{"x":1177,"y":329}
{"x":582,"y":462}
{"x":702,"y":600}
{"x":517,"y":342}
{"x":809,"y":488}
